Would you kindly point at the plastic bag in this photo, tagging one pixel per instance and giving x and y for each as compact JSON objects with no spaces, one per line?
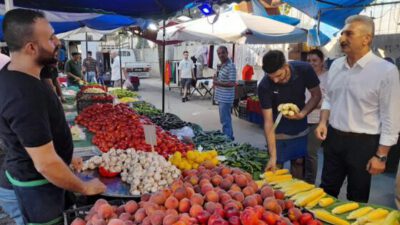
{"x":183,"y":132}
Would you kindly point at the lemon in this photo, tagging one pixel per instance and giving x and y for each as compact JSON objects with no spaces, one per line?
{"x":213,"y":153}
{"x":178,"y":155}
{"x":215,"y":161}
{"x":191,"y":155}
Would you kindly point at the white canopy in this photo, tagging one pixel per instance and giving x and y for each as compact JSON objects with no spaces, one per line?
{"x":80,"y":34}
{"x":235,"y":27}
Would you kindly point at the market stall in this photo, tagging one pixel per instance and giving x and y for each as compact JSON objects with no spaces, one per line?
{"x":206,"y":179}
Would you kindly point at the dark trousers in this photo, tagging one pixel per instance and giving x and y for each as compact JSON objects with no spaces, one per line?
{"x":347,"y":155}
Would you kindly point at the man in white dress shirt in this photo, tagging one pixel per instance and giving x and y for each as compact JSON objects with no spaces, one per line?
{"x":360,"y":116}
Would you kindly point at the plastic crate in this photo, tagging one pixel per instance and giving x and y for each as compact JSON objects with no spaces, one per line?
{"x":243,"y":110}
{"x":82,"y":104}
{"x":81,"y":212}
{"x":87,"y":96}
{"x":256,"y":118}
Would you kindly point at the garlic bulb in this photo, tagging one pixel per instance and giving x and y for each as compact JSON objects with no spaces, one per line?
{"x":145,"y":171}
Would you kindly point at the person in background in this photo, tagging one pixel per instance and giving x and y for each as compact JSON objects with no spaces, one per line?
{"x":316,"y":59}
{"x":360,"y":117}
{"x":116,"y":70}
{"x":224,"y":85}
{"x":247,"y":71}
{"x":286,"y":82}
{"x":49,"y":75}
{"x":389,"y":59}
{"x":4,"y":59}
{"x":90,"y":68}
{"x":73,"y":69}
{"x":62,"y":57}
{"x":186,"y":73}
{"x":37,"y":139}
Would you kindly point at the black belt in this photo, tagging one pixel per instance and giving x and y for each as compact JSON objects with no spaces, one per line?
{"x":351,"y":134}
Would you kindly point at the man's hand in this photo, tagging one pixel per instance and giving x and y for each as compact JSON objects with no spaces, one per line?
{"x":297,"y":116}
{"x":271,"y":165}
{"x":94,"y":187}
{"x":62,"y":99}
{"x":321,"y":131}
{"x":77,"y":164}
{"x":375,"y":166}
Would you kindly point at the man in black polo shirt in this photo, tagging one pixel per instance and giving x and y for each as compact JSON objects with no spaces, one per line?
{"x":286,"y":82}
{"x":36,"y":137}
{"x":49,"y":75}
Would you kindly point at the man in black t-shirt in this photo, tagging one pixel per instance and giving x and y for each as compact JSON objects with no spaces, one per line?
{"x":286,"y":82}
{"x":35,"y":134}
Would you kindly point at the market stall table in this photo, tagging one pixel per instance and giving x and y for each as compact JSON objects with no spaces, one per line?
{"x":203,"y":84}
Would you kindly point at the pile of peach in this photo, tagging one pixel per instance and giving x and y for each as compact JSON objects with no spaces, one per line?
{"x":213,"y":196}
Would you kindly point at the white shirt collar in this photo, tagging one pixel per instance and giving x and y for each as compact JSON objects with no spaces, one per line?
{"x":361,"y":62}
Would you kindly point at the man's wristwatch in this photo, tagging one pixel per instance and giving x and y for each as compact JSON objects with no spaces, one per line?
{"x":381,"y":158}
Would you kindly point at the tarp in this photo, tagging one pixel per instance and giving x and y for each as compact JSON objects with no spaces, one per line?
{"x":100,"y":22}
{"x":333,"y":12}
{"x":235,"y":27}
{"x":56,"y":16}
{"x":259,"y":10}
{"x":135,"y":8}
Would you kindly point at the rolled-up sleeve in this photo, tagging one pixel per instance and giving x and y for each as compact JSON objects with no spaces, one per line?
{"x":389,"y":108}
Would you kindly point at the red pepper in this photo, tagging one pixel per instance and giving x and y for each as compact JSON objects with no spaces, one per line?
{"x":105,"y":173}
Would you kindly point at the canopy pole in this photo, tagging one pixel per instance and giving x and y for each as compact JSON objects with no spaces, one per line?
{"x":233,"y":52}
{"x":86,"y":41}
{"x":163,"y":69}
{"x":9,"y":4}
{"x":120,"y":58}
{"x":318,"y":22}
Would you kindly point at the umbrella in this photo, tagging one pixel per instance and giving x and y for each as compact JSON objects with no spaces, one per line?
{"x":235,"y":27}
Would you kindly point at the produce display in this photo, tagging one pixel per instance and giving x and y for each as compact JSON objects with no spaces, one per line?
{"x":288,"y":109}
{"x":93,"y":86}
{"x":212,"y":140}
{"x":246,"y":157}
{"x":209,"y":195}
{"x":122,"y":93}
{"x":325,"y":208}
{"x":97,"y":98}
{"x":168,"y":121}
{"x":93,"y":90}
{"x":77,"y":133}
{"x":194,"y":159}
{"x":146,"y":172}
{"x":181,"y":186}
{"x":128,"y":100}
{"x":254,"y":98}
{"x":119,"y":127}
{"x":146,"y":109}
{"x":243,"y":156}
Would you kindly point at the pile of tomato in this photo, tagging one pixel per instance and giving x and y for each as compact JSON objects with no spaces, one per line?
{"x":101,"y":98}
{"x":120,"y":127}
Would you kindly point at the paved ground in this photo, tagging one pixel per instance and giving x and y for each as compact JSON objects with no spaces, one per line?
{"x":202,"y":112}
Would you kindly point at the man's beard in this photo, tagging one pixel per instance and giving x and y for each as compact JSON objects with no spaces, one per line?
{"x":46,"y":58}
